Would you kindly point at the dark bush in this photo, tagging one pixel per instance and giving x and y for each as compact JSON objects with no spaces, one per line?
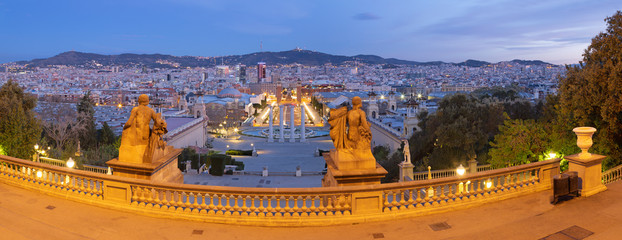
{"x":239,"y":152}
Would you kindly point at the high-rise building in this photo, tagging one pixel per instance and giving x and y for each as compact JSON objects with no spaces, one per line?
{"x":261,"y":71}
{"x":203,"y":76}
{"x":242,"y":73}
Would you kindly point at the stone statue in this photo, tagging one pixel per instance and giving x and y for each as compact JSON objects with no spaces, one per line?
{"x":351,"y":135}
{"x":406,"y":151}
{"x":138,"y":141}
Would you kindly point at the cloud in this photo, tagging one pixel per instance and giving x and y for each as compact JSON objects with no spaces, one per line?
{"x":366,"y":16}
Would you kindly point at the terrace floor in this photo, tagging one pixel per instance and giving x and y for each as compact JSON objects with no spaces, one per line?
{"x":28,"y":214}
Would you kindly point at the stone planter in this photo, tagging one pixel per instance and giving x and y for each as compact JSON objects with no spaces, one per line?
{"x":584,"y":140}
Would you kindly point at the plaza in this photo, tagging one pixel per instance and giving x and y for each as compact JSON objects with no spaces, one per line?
{"x":281,"y":159}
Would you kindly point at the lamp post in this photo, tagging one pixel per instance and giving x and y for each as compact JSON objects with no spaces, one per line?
{"x":460,"y":171}
{"x":36,"y":158}
{"x":70,"y":163}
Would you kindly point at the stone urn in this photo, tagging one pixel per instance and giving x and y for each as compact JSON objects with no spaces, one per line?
{"x":584,"y":140}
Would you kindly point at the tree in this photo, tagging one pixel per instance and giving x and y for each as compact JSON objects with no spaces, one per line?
{"x":518,"y":142}
{"x":459,"y":131}
{"x":88,"y":135}
{"x":591,"y":93}
{"x":19,"y":129}
{"x":106,"y":135}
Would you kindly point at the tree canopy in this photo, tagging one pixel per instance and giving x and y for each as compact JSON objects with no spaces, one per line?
{"x":591,"y":92}
{"x":19,"y":129}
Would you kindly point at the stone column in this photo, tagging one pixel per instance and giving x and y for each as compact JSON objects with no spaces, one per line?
{"x":303,"y":138}
{"x":406,"y":171}
{"x":281,"y":127}
{"x":292,"y":125}
{"x":587,"y":165}
{"x":271,"y":127}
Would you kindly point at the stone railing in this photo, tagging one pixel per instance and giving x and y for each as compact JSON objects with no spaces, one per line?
{"x":395,"y":133}
{"x":95,"y":169}
{"x":612,"y":175}
{"x":280,"y":206}
{"x":445,"y":173}
{"x":52,"y":161}
{"x":183,"y":127}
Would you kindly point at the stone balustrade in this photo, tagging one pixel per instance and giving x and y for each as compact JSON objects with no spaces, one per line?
{"x":612,"y":175}
{"x":443,"y":173}
{"x":280,"y":206}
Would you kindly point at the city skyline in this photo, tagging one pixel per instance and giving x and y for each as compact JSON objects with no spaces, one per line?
{"x":554,"y":31}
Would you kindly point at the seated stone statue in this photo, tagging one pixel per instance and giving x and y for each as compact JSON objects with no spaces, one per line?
{"x":138,"y":141}
{"x":351,"y":136}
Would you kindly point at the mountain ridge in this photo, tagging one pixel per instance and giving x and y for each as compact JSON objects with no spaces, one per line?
{"x":295,"y":56}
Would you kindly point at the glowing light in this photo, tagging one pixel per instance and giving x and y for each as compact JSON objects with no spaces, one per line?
{"x":119,"y":106}
{"x":227,"y":146}
{"x":70,"y":163}
{"x":488,"y":183}
{"x":39,"y":174}
{"x":419,"y":95}
{"x":252,"y":144}
{"x":460,"y":170}
{"x":552,"y":155}
{"x":235,"y":129}
{"x":402,"y":96}
{"x":36,"y":146}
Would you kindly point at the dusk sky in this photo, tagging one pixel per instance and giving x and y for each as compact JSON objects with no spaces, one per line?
{"x":453,"y":31}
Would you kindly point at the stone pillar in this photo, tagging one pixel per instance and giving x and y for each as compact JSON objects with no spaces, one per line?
{"x":271,"y":127}
{"x":303,"y":138}
{"x":406,"y":171}
{"x":292,"y":125}
{"x":281,"y":127}
{"x":587,"y":165}
{"x":472,"y":166}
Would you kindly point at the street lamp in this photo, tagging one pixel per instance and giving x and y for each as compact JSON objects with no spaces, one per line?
{"x":70,"y":163}
{"x":460,"y":170}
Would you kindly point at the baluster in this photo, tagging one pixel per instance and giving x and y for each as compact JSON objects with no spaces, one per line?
{"x":228,"y":206}
{"x":347,"y":206}
{"x":278,"y":209}
{"x":134,"y":195}
{"x":442,"y":198}
{"x":387,"y":204}
{"x":264,"y":204}
{"x":211,"y":206}
{"x":244,"y":207}
{"x":322,"y":205}
{"x":172,"y":204}
{"x":453,"y":188}
{"x":312,"y":209}
{"x":253,"y":208}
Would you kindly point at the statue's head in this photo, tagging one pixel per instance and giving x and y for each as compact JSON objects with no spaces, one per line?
{"x":143,"y":99}
{"x":356,"y":101}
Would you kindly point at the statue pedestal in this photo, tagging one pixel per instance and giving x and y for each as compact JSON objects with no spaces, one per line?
{"x":590,"y":173}
{"x":163,"y":169}
{"x":347,"y":174}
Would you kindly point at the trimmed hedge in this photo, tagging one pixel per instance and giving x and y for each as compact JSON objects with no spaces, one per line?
{"x":218,"y":162}
{"x":239,"y":152}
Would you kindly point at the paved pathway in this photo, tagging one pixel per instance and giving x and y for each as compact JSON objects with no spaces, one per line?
{"x":27,"y":214}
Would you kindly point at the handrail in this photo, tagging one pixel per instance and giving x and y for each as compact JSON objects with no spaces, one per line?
{"x":184,"y":127}
{"x":385,"y":127}
{"x":280,"y":206}
{"x":612,"y":175}
{"x":445,"y":172}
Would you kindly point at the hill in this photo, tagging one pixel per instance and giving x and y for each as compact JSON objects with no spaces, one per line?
{"x":295,"y":56}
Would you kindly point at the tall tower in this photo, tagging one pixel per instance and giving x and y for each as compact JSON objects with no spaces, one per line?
{"x":242,"y":73}
{"x":372,"y":108}
{"x":261,"y":71}
{"x":392,"y":103}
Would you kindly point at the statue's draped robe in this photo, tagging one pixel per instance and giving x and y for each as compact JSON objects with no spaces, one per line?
{"x":338,"y":127}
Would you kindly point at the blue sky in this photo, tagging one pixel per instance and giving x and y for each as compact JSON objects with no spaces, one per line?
{"x":445,"y":30}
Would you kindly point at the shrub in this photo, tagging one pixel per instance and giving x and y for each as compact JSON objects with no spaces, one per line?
{"x":239,"y":152}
